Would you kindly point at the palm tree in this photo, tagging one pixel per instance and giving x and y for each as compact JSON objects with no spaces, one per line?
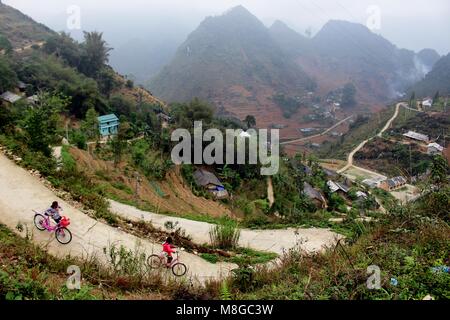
{"x":96,"y":52}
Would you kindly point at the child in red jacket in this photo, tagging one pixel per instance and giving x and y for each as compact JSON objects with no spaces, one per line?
{"x":167,"y":248}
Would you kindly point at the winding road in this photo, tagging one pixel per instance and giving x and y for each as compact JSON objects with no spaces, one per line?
{"x":319,"y":134}
{"x":21,"y":193}
{"x":310,"y":239}
{"x":380,"y":134}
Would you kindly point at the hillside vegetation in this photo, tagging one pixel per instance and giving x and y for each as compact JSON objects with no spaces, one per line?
{"x":20,"y":29}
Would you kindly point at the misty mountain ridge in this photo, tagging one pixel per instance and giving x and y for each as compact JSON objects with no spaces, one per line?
{"x":438,"y":79}
{"x":235,"y":54}
{"x":234,"y":49}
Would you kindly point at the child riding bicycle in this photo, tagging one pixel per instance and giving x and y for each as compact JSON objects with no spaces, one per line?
{"x":54,"y":212}
{"x":167,"y":248}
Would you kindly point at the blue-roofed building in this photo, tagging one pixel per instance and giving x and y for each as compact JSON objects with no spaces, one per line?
{"x":108,"y":125}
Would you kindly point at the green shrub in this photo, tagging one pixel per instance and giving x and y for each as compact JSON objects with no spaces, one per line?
{"x":225,"y":235}
{"x":211,"y":258}
{"x":249,"y":208}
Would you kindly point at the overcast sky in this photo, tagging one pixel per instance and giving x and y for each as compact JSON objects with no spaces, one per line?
{"x":411,"y":24}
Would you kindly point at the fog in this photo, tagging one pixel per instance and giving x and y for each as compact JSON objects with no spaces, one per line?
{"x":409,"y":24}
{"x":156,"y":28}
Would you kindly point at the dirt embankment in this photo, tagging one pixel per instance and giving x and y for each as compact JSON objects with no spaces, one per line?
{"x":171,"y":195}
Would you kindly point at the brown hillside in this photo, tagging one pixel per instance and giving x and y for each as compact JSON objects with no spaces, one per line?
{"x":178,"y":198}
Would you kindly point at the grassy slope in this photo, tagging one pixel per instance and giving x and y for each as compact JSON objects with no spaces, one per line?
{"x":404,"y":247}
{"x":352,"y":138}
{"x":20,"y":29}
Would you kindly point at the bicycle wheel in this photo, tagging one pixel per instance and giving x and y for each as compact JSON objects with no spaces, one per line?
{"x":63,"y":235}
{"x":39,"y":221}
{"x":154,"y":261}
{"x":179,"y":269}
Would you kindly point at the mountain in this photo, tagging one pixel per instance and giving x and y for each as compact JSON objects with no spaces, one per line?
{"x":428,"y":57}
{"x":20,"y":29}
{"x":232,"y":61}
{"x":379,"y":70}
{"x":292,"y":43}
{"x":343,"y":52}
{"x":438,"y":79}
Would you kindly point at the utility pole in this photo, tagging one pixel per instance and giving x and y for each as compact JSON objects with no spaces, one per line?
{"x":410,"y":159}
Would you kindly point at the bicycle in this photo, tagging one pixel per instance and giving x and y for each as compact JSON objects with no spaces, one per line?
{"x":62,"y":234}
{"x":156,"y":261}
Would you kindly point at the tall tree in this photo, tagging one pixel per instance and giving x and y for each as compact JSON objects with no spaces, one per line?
{"x":41,"y":123}
{"x":96,"y":53}
{"x":436,"y":97}
{"x":5,"y":45}
{"x":65,"y":47}
{"x":90,"y":125}
{"x":439,"y":170}
{"x":412,"y":99}
{"x":8,"y":77}
{"x":250,"y":121}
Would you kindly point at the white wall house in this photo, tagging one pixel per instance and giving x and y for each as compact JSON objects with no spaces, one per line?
{"x":428,"y":102}
{"x":434,"y":148}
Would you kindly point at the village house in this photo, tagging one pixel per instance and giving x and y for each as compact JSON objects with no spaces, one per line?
{"x":374,"y":182}
{"x":164,"y":119}
{"x":330,"y":173}
{"x":211,"y":183}
{"x":108,"y":125}
{"x":427,"y":102}
{"x":417,"y":136}
{"x":337,"y":187}
{"x":434,"y":149}
{"x":307,"y":130}
{"x":315,"y":196}
{"x":33,"y":99}
{"x":9,"y":98}
{"x":393,"y":183}
{"x":22,"y":86}
{"x":361,"y":195}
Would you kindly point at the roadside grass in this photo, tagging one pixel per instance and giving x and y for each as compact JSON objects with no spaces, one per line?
{"x":29,"y":273}
{"x":405,"y":246}
{"x":241,"y":256}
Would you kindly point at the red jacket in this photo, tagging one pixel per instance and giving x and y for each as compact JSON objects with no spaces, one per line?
{"x":167,"y":247}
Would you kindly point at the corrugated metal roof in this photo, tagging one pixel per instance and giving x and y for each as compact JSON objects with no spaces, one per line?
{"x":108,"y":118}
{"x":10,"y":97}
{"x":416,"y":136}
{"x":204,"y":178}
{"x":436,"y":146}
{"x":312,"y":193}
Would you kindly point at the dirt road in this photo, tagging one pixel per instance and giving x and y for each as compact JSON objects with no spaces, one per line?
{"x":380,"y":134}
{"x":319,"y":134}
{"x":20,"y":193}
{"x":265,"y":240}
{"x":29,"y":46}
